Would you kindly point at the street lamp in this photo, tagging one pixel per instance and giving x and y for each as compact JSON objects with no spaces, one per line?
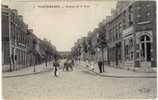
{"x":34,"y":52}
{"x":101,"y":44}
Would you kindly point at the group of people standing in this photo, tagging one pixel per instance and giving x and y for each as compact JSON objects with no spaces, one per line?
{"x":69,"y":63}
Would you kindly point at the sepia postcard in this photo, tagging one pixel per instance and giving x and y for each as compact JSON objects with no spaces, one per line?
{"x":78,"y":49}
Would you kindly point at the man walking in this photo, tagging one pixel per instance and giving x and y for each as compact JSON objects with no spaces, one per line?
{"x":46,"y":62}
{"x":99,"y":60}
{"x":56,"y":65}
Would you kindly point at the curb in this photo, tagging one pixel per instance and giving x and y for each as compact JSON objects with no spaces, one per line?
{"x":27,"y":74}
{"x":115,"y":76}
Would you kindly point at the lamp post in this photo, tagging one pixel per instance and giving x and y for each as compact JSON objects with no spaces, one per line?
{"x":101,"y":44}
{"x":79,"y":53}
{"x":34,"y":53}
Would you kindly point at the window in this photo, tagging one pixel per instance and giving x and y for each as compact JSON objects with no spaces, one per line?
{"x":147,"y":38}
{"x":145,"y":48}
{"x":130,"y":16}
{"x":148,"y":51}
{"x":131,"y":42}
{"x":148,"y":14}
{"x":137,"y":55}
{"x":126,"y":53}
{"x":142,"y":39}
{"x":131,"y":55}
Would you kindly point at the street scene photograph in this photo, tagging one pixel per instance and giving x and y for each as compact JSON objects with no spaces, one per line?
{"x":78,"y":49}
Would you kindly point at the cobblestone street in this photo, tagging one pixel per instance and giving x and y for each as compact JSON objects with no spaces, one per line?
{"x":80,"y":83}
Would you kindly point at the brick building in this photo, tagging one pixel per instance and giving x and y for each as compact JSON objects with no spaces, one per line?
{"x":20,"y":46}
{"x":14,"y":38}
{"x":132,"y":35}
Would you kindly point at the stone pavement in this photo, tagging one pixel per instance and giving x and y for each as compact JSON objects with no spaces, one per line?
{"x":77,"y":84}
{"x":29,"y":70}
{"x":119,"y":73}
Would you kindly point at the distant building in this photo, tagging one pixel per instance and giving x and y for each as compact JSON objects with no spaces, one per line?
{"x":64,"y":54}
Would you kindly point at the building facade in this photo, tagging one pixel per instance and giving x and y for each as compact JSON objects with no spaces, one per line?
{"x":20,"y":46}
{"x":14,"y":41}
{"x":132,"y":35}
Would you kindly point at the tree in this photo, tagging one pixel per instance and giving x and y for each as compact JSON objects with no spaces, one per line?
{"x":85,"y":47}
{"x":101,"y":40}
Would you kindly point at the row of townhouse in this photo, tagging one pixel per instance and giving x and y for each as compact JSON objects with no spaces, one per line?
{"x":130,"y":34}
{"x":18,"y":42}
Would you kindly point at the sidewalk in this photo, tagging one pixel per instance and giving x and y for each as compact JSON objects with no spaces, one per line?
{"x":28,"y":71}
{"x":119,"y":73}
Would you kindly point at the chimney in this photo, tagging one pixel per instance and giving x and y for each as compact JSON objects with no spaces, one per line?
{"x":4,"y":6}
{"x":15,"y":11}
{"x":31,"y":30}
{"x":108,"y":18}
{"x":20,"y":17}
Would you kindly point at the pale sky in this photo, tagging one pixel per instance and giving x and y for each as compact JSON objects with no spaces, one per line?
{"x":63,"y":26}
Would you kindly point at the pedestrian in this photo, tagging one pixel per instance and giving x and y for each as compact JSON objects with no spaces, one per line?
{"x":92,"y":66}
{"x":72,"y":64}
{"x":87,"y":63}
{"x":56,"y":66}
{"x":46,"y":62}
{"x":99,"y":60}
